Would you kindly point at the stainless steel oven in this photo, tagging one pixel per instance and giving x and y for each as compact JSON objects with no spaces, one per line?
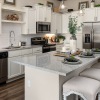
{"x":45,"y":46}
{"x":43,"y":27}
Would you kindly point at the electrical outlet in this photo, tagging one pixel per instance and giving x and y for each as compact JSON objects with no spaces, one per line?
{"x":29,"y":83}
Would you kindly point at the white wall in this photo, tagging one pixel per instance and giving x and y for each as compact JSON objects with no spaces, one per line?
{"x":4,"y":37}
{"x":20,"y":3}
{"x":73,"y":4}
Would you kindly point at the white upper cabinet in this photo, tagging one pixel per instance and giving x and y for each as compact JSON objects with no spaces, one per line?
{"x":48,"y":14}
{"x":0,"y":20}
{"x":59,"y":22}
{"x":53,"y":23}
{"x":65,"y":21}
{"x":92,"y":15}
{"x":43,"y":13}
{"x":32,"y":21}
{"x":56,"y":23}
{"x":30,"y":18}
{"x":40,"y":11}
{"x":98,"y":14}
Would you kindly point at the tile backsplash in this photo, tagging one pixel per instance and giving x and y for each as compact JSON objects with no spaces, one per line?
{"x":4,"y":37}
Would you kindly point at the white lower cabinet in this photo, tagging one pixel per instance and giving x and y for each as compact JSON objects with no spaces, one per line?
{"x":22,"y":66}
{"x":37,"y":50}
{"x":59,"y":47}
{"x":22,"y":69}
{"x":14,"y":69}
{"x":79,"y":41}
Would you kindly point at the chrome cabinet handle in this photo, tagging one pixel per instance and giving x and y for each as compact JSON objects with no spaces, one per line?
{"x":95,"y":18}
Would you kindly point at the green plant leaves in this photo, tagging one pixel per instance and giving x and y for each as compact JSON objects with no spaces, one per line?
{"x":73,"y":26}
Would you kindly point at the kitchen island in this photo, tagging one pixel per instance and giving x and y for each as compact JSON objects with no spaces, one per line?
{"x":45,"y":74}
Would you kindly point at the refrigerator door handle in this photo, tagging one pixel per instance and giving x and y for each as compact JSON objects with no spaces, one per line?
{"x":92,"y":35}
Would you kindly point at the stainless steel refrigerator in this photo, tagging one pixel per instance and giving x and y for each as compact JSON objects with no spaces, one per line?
{"x":91,"y":35}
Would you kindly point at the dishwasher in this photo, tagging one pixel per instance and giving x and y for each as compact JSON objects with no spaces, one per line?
{"x":3,"y":67}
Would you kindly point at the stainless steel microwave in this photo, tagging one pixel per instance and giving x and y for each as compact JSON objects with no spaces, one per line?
{"x":43,"y":27}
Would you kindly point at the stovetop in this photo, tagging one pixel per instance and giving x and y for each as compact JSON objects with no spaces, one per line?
{"x":46,"y":45}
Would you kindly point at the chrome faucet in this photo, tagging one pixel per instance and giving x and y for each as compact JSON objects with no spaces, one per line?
{"x":10,"y":38}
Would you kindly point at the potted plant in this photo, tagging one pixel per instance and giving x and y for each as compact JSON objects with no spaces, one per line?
{"x":61,"y":38}
{"x":73,"y":28}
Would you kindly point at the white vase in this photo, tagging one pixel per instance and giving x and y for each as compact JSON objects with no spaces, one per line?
{"x":61,"y":40}
{"x":92,"y":4}
{"x":73,"y":43}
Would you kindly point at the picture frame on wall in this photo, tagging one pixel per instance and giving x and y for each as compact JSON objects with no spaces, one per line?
{"x":11,"y":2}
{"x":83,"y":5}
{"x":50,"y":4}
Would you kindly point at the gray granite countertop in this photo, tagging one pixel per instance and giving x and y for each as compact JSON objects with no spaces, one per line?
{"x":51,"y":63}
{"x":21,"y":48}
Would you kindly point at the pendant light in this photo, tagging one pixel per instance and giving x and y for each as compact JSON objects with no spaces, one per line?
{"x":62,"y":7}
{"x":81,"y":11}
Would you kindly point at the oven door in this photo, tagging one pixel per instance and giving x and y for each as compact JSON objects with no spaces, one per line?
{"x":52,"y":48}
{"x":43,"y":27}
{"x":46,"y":49}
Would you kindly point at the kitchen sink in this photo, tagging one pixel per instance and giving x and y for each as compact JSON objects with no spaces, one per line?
{"x":12,"y":47}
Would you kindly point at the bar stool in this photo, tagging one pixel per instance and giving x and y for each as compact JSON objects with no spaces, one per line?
{"x":86,"y":88}
{"x":97,"y":65}
{"x":93,"y":73}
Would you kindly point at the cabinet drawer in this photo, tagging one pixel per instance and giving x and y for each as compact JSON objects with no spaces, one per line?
{"x":14,"y":53}
{"x":26,"y":51}
{"x":36,"y":50}
{"x":59,"y":46}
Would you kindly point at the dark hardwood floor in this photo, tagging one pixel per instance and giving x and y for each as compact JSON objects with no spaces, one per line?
{"x":12,"y":91}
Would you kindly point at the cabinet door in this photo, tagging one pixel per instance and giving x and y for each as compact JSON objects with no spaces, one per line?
{"x":98,"y":14}
{"x":89,"y":15}
{"x":32,"y":21}
{"x":59,"y":23}
{"x":53,"y":23}
{"x":14,"y":69}
{"x":59,"y":47}
{"x":22,"y":66}
{"x":48,"y":14}
{"x":41,"y":10}
{"x":0,"y":20}
{"x":79,"y":41}
{"x":65,"y":21}
{"x":37,"y":50}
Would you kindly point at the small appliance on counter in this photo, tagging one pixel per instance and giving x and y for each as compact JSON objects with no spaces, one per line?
{"x":22,"y":43}
{"x":3,"y":67}
{"x":44,"y":42}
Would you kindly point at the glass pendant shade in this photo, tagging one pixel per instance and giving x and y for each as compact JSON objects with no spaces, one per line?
{"x":81,"y":12}
{"x":62,"y":6}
